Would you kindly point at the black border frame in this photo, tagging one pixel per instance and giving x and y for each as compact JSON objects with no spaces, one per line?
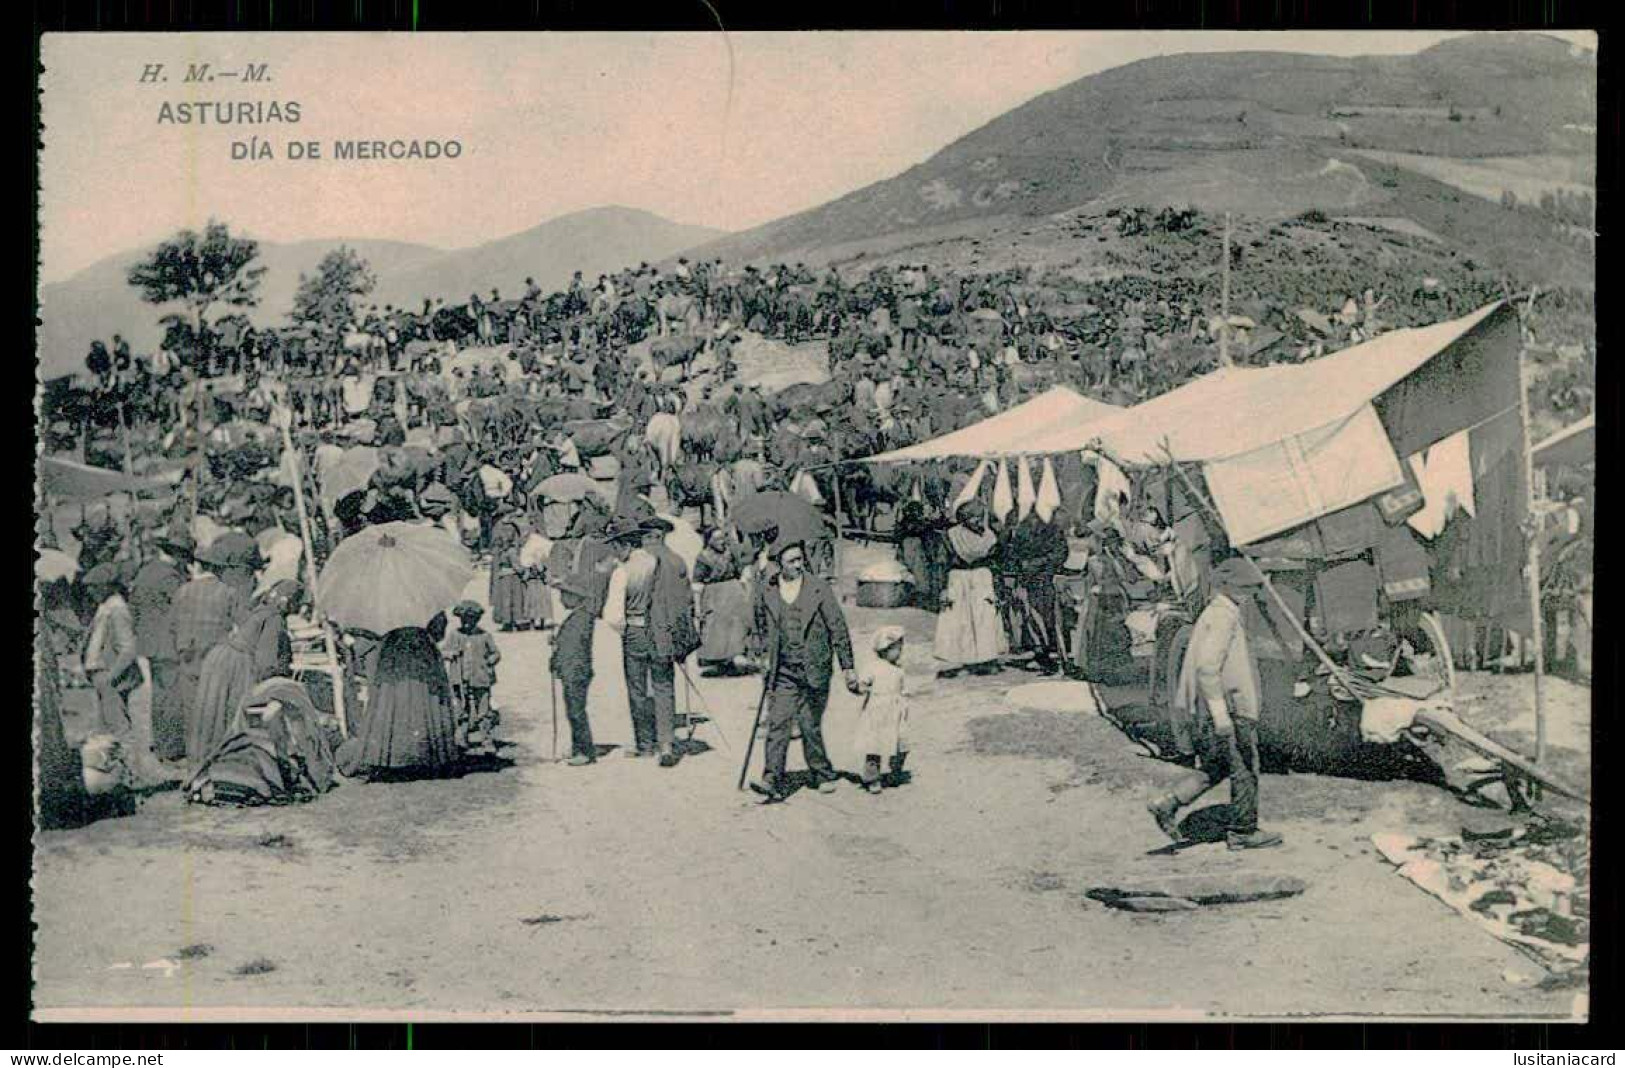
{"x":432,"y":15}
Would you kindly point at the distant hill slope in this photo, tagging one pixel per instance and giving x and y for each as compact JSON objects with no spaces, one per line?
{"x":1258,"y":133}
{"x":98,"y":301}
{"x":593,"y":242}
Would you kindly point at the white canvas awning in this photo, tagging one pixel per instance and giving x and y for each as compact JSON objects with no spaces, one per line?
{"x":1237,"y":410}
{"x":1009,"y":432}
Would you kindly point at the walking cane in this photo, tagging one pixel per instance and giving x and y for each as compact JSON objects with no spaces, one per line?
{"x":553,"y":697}
{"x":755,"y":726}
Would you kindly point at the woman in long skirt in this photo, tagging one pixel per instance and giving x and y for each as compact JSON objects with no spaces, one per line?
{"x":409,"y":728}
{"x":257,"y":648}
{"x":969,"y":631}
{"x":725,"y":613}
{"x":507,"y":581}
{"x":537,"y":607}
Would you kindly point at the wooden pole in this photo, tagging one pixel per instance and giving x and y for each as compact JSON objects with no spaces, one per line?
{"x":1224,"y":300}
{"x":285,"y":418}
{"x":200,"y":457}
{"x":1537,"y":624}
{"x":203,"y":358}
{"x":134,"y":533}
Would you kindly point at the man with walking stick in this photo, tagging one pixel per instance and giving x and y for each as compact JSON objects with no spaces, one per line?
{"x":805,"y":631}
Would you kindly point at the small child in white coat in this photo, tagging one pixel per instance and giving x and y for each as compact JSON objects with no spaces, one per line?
{"x":883,"y":722}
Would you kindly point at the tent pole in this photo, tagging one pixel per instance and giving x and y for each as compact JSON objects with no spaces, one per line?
{"x":286,"y":420}
{"x":1537,"y":624}
{"x":197,"y":457}
{"x":134,"y":536}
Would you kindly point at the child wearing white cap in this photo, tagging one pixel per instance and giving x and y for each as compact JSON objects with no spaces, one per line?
{"x":883,"y":722}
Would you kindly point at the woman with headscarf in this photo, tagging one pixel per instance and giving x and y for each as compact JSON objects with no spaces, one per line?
{"x":257,"y":648}
{"x":278,"y":753}
{"x":969,"y":631}
{"x":724,"y":603}
{"x":1103,"y":644}
{"x":507,"y":578}
{"x":535,"y":549}
{"x":409,"y":728}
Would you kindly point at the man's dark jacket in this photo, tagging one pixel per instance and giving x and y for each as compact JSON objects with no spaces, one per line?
{"x":826,"y":636}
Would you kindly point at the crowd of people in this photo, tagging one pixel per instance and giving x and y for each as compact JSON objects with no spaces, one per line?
{"x":467,"y":418}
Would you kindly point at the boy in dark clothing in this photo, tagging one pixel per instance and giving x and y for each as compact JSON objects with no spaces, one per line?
{"x":471,"y":657}
{"x":572,"y":665}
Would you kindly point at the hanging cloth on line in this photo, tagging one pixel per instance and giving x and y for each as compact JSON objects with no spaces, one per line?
{"x":972,"y":486}
{"x":1003,"y":500}
{"x":1445,"y":474}
{"x":1049,"y":493}
{"x":1026,"y":494}
{"x":1112,"y":491}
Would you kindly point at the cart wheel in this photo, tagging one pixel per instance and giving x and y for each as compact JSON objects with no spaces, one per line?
{"x":1444,"y":662}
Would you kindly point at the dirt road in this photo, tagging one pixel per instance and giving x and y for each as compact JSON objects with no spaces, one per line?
{"x":533,"y":887}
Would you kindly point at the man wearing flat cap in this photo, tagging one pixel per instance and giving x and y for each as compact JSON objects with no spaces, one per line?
{"x":804,"y":631}
{"x":650,"y":605}
{"x":1219,"y":689}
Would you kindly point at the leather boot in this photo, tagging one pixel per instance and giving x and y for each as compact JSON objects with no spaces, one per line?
{"x":1165,"y":810}
{"x":1239,"y":840}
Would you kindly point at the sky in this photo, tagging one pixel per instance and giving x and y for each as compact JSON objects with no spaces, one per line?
{"x":728,"y":130}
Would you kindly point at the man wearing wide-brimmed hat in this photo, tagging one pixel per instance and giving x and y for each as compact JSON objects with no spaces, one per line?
{"x":1219,"y":688}
{"x":650,"y":604}
{"x":571,"y":663}
{"x":152,"y":595}
{"x":235,"y":557}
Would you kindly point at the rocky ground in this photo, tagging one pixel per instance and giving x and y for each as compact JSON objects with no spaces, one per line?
{"x":529,"y":887}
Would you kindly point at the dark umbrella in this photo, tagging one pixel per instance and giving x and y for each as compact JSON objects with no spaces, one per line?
{"x":793,"y":517}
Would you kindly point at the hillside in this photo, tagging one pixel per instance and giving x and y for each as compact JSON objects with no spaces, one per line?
{"x":593,"y":242}
{"x":98,"y":301}
{"x":1268,"y":134}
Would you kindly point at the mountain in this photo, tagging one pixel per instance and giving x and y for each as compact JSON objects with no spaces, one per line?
{"x":1266,"y":134}
{"x":593,"y":242}
{"x":98,"y":301}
